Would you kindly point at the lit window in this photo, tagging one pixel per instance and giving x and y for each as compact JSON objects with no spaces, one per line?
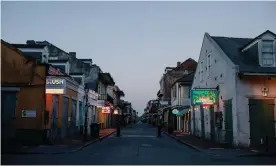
{"x":60,"y":67}
{"x":267,"y":53}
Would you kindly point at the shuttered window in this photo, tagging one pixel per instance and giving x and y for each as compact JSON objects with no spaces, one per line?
{"x":268,"y":57}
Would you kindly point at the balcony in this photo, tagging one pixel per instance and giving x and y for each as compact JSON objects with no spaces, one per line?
{"x":184,"y":101}
{"x":180,"y":101}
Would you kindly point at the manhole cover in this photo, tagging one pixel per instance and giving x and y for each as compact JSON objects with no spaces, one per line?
{"x":146,"y":145}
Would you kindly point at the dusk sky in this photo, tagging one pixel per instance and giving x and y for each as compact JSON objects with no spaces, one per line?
{"x":134,"y":41}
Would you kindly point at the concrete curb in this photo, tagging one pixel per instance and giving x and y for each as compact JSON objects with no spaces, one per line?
{"x":63,"y":152}
{"x":183,"y":142}
{"x":91,"y":142}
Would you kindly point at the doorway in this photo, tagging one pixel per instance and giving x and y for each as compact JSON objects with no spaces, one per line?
{"x":262,"y":124}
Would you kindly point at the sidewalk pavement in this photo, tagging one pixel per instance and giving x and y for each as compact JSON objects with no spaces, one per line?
{"x":210,"y":147}
{"x":65,"y":146}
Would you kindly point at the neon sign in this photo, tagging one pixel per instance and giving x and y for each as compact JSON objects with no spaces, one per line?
{"x":106,"y":110}
{"x":204,"y":96}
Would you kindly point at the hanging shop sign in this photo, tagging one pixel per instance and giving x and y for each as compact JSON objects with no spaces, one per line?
{"x":175,"y":111}
{"x":204,"y":96}
{"x":106,"y":110}
{"x":100,"y":103}
{"x":164,"y":102}
{"x":115,"y":112}
{"x":55,"y":85}
{"x":55,"y":81}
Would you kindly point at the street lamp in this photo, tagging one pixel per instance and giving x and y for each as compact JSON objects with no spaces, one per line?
{"x":86,"y":90}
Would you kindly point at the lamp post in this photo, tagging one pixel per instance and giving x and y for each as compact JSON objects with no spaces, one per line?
{"x":86,"y":90}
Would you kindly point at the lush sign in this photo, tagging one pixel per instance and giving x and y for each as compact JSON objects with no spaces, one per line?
{"x":55,"y":81}
{"x":203,"y":96}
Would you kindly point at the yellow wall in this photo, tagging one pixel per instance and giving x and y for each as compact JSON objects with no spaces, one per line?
{"x":102,"y":117}
{"x":16,"y":72}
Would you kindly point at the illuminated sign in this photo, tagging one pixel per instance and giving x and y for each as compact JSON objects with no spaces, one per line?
{"x":106,"y":110}
{"x":175,"y":111}
{"x":116,"y":112}
{"x":204,"y":96}
{"x":100,"y":103}
{"x":55,"y":81}
{"x":55,"y":91}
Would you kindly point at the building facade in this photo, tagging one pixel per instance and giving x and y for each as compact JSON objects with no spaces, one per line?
{"x":181,"y":97}
{"x":22,"y":96}
{"x":241,"y":71}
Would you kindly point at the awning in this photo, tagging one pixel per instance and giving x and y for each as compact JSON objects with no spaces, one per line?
{"x":182,"y":112}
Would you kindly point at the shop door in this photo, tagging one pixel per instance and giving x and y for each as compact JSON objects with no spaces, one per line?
{"x":202,"y":122}
{"x":228,"y":121}
{"x":8,"y":106}
{"x":72,"y":125}
{"x":212,"y":123}
{"x":175,"y":122}
{"x":262,"y":124}
{"x":54,"y":118}
{"x":64,"y":126}
{"x":194,"y":123}
{"x":81,"y":114}
{"x":189,"y":122}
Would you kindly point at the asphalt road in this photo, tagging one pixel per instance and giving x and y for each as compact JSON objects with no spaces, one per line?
{"x":138,"y":145}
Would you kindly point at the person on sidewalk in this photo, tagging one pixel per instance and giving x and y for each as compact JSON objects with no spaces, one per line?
{"x":159,"y":126}
{"x":118,"y":127}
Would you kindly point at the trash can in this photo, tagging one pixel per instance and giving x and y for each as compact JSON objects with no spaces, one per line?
{"x":95,"y":129}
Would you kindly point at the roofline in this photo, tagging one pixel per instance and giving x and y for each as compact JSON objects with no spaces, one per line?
{"x":258,"y":74}
{"x":177,"y":81}
{"x":10,"y":46}
{"x":254,"y":39}
{"x":215,"y":44}
{"x":39,"y":46}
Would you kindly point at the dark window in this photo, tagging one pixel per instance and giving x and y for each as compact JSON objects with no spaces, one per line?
{"x":36,"y":55}
{"x":60,"y":67}
{"x":78,"y":79}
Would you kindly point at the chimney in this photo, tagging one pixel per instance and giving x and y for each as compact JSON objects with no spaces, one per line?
{"x":30,"y":42}
{"x":178,"y":64}
{"x":73,"y":54}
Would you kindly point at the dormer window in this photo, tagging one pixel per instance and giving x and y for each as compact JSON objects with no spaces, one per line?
{"x":268,"y":58}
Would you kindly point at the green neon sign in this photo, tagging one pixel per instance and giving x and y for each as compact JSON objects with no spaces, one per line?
{"x":204,"y":96}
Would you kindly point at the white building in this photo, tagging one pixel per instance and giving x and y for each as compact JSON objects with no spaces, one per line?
{"x":242,"y":70}
{"x":180,"y":96}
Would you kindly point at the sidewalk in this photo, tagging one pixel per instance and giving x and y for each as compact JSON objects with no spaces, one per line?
{"x":64,"y":146}
{"x":208,"y":146}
